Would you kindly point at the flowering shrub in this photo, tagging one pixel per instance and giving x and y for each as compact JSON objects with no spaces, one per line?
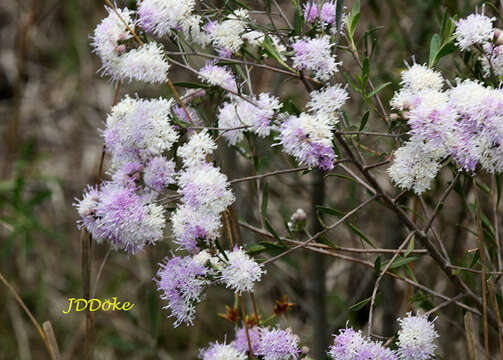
{"x":165,"y":181}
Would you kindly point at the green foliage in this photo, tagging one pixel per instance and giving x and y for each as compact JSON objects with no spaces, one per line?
{"x":20,"y":198}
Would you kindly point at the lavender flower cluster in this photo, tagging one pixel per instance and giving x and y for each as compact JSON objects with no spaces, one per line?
{"x":415,"y":341}
{"x":265,"y":342}
{"x":462,"y":122}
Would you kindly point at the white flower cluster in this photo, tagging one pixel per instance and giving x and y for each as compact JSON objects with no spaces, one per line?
{"x":254,"y":114}
{"x":463,"y":122}
{"x":138,"y":129}
{"x":315,"y":55}
{"x":110,"y":41}
{"x":227,"y":35}
{"x":308,"y":137}
{"x":160,"y":17}
{"x":241,"y":271}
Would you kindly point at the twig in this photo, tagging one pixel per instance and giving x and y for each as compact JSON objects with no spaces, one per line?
{"x":442,"y":199}
{"x":381,"y":275}
{"x":483,"y":260}
{"x":30,"y":315}
{"x":273,"y":173}
{"x":51,"y":338}
{"x":321,"y":233}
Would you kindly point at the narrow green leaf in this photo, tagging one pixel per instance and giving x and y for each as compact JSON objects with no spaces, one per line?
{"x":298,"y":21}
{"x":377,"y":265}
{"x":475,"y":259}
{"x":191,"y":85}
{"x":365,"y":73}
{"x":265,"y":198}
{"x":254,"y":249}
{"x":434,"y":47}
{"x":401,"y":261}
{"x":360,"y":305}
{"x":269,"y":227}
{"x":410,"y":247}
{"x":365,"y":118}
{"x":378,"y":89}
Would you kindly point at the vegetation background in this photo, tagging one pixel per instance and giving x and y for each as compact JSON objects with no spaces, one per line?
{"x":52,"y":103}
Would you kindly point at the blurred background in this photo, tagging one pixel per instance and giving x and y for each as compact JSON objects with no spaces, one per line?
{"x":52,"y":105}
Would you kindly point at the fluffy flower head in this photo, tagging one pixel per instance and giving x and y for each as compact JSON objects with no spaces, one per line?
{"x":416,"y":338}
{"x":473,"y":30}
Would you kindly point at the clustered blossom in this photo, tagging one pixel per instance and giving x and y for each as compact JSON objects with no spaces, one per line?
{"x":110,"y":38}
{"x":297,"y":220}
{"x":352,"y":345}
{"x":462,"y":122}
{"x":241,"y":340}
{"x":218,"y":76}
{"x":160,"y":17}
{"x":145,"y":63}
{"x":254,"y":114}
{"x":328,"y":101}
{"x":308,"y":138}
{"x":492,"y":62}
{"x":266,"y":343}
{"x":191,"y":226}
{"x":278,"y":344}
{"x":476,"y":29}
{"x":241,"y":271}
{"x":416,"y":338}
{"x":315,"y":55}
{"x":217,"y":351}
{"x":197,"y":149}
{"x":181,"y":282}
{"x":124,"y":211}
{"x":137,"y":129}
{"x":159,"y":173}
{"x":415,"y":165}
{"x":121,"y":215}
{"x":204,"y":194}
{"x":227,"y":35}
{"x":326,"y":15}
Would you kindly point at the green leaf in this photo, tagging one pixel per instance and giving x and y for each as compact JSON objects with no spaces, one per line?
{"x":378,"y":89}
{"x":330,"y":211}
{"x":377,"y":265}
{"x":325,"y":241}
{"x":365,"y":73}
{"x":269,"y":227}
{"x":269,"y":48}
{"x":272,"y":246}
{"x":475,"y":259}
{"x":434,"y":47}
{"x":361,"y":304}
{"x":356,"y":7}
{"x":361,"y":234}
{"x":191,"y":85}
{"x":401,"y":261}
{"x":446,"y":49}
{"x":410,"y":247}
{"x":298,"y":21}
{"x":365,"y":118}
{"x":221,"y":249}
{"x":483,"y":187}
{"x":253,"y":249}
{"x":265,"y":197}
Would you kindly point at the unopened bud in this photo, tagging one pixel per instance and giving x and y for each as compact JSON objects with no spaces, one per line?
{"x":394,"y":116}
